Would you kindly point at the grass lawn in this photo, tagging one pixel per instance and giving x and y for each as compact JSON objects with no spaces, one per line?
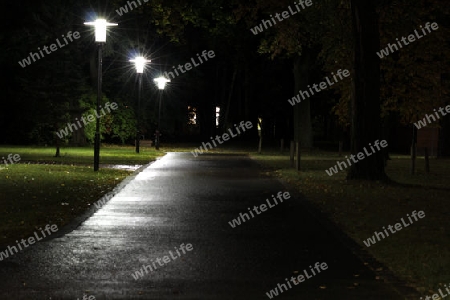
{"x":125,"y":155}
{"x":42,"y":189}
{"x":419,"y":253}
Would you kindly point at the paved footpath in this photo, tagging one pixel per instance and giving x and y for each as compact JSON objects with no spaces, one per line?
{"x":185,"y":200}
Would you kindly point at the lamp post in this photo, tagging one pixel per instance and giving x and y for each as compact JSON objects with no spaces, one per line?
{"x":139,"y":63}
{"x":161,"y":82}
{"x":100,"y":26}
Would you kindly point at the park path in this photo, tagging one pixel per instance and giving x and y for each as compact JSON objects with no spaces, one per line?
{"x":181,"y":199}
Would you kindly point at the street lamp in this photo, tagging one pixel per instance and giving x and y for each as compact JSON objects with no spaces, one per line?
{"x":161,"y":82}
{"x":100,"y":37}
{"x":139,"y":63}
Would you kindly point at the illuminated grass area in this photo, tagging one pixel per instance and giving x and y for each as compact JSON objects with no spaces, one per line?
{"x":42,"y":189}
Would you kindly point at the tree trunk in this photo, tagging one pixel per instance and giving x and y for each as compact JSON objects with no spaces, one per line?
{"x":57,"y":143}
{"x":260,"y":144}
{"x":302,"y":110}
{"x":227,"y":122}
{"x":413,"y":159}
{"x":298,"y":155}
{"x":292,"y":153}
{"x":366,"y":120}
{"x":247,"y":92}
{"x":413,"y":150}
{"x":427,"y":161}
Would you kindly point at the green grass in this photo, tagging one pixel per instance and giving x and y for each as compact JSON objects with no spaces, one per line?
{"x":42,"y":189}
{"x":35,"y":195}
{"x":83,"y":155}
{"x":419,"y":253}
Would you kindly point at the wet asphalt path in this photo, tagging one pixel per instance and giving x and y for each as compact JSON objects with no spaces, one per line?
{"x":181,"y":199}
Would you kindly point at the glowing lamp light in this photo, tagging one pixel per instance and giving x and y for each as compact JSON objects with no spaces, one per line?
{"x":139,"y":63}
{"x":161,"y":82}
{"x":100,"y":26}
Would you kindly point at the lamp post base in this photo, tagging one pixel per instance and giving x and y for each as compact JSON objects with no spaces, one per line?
{"x":96,"y":151}
{"x":137,"y":143}
{"x":157,"y":140}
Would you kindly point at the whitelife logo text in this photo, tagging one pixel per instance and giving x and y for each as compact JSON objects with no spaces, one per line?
{"x":431,"y":118}
{"x":360,"y":155}
{"x":436,"y":296}
{"x":31,"y":240}
{"x":319,"y":87}
{"x":263,"y":207}
{"x":90,"y":118}
{"x":397,"y":226}
{"x":13,"y":159}
{"x":124,"y":9}
{"x":188,"y":66}
{"x":266,"y":24}
{"x":162,"y":261}
{"x":53,"y":47}
{"x":391,"y":48}
{"x":86,"y":297}
{"x":225,"y":137}
{"x":296,"y":281}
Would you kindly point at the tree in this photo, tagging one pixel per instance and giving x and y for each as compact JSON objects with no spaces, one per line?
{"x":411,"y":77}
{"x":366,"y":105}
